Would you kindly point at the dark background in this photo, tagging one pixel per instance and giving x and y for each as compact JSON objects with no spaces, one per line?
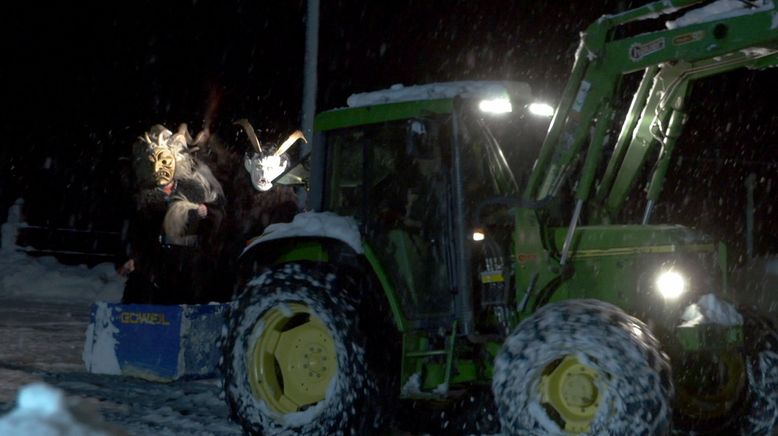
{"x":80,"y":83}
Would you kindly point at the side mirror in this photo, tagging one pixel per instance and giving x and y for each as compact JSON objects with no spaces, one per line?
{"x":297,"y":173}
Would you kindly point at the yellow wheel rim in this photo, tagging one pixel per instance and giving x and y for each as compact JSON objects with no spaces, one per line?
{"x":570,"y":389}
{"x":292,"y":361}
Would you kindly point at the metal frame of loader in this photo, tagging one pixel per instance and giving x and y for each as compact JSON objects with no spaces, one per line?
{"x":553,"y":263}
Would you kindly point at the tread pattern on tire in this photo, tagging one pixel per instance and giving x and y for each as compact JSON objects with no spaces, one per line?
{"x":762,"y":372}
{"x":638,"y":391}
{"x":347,"y":407}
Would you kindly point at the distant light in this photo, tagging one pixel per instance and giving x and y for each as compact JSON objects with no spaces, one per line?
{"x":541,"y":109}
{"x":671,"y":284}
{"x":478,"y":236}
{"x":496,"y":105}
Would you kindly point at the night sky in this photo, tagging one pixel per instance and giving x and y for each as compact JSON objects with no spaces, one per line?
{"x":81,"y":83}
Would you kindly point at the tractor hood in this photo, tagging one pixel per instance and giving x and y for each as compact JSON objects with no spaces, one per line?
{"x":595,"y":241}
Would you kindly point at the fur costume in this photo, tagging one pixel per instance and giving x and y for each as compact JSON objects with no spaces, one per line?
{"x":172,"y":242}
{"x":251,"y":209}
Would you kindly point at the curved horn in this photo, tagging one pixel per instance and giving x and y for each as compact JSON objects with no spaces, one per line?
{"x":250,"y":132}
{"x":181,"y":136}
{"x":183,"y":130}
{"x":146,"y":138}
{"x":202,"y":137}
{"x":289,"y":141}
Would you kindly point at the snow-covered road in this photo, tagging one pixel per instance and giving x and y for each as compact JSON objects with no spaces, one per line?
{"x":43,"y":342}
{"x":44,"y":312}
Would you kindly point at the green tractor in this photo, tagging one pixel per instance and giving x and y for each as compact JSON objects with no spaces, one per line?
{"x":433,"y":281}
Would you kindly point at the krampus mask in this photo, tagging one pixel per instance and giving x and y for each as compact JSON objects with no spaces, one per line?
{"x":164,"y":149}
{"x":265,"y":164}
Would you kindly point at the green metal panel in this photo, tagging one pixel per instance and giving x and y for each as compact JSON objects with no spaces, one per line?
{"x":677,"y":118}
{"x":617,"y":240}
{"x":535,"y":268}
{"x":437,"y":362}
{"x":574,"y":88}
{"x":608,"y":260}
{"x":466,"y":370}
{"x":644,"y":137}
{"x":348,"y":117}
{"x":425,"y":362}
{"x":692,"y":43}
{"x":492,"y":349}
{"x":594,"y":153}
{"x":605,"y":261}
{"x":304,"y":250}
{"x":709,"y":337}
{"x":389,"y":291}
{"x":625,"y":135}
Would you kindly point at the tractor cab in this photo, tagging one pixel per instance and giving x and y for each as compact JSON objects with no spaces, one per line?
{"x":413,"y":171}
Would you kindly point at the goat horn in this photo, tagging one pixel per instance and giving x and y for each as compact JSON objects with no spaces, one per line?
{"x":202,"y":137}
{"x":251,"y":134}
{"x":183,"y":130}
{"x":146,"y":138}
{"x":289,"y":141}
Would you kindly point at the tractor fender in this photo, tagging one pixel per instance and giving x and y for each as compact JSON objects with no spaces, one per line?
{"x":340,"y":238}
{"x":313,"y":225}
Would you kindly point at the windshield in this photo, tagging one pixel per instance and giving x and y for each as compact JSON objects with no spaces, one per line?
{"x":393,"y":177}
{"x":483,"y":162}
{"x":487,"y":141}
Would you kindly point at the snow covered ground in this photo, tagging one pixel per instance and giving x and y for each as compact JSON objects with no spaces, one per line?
{"x":44,"y":312}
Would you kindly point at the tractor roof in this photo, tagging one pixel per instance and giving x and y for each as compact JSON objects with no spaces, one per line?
{"x":444,"y":90}
{"x":401,"y":102}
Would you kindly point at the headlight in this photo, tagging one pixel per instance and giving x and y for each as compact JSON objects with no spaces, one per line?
{"x":671,"y":284}
{"x":541,"y":109}
{"x":496,"y":105}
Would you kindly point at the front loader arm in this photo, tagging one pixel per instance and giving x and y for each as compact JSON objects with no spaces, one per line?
{"x":671,"y":59}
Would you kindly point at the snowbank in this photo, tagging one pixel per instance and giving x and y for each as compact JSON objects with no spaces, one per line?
{"x":314,"y":224}
{"x":709,"y":309}
{"x":43,"y":278}
{"x":720,"y":10}
{"x":36,"y":279}
{"x":42,"y":410}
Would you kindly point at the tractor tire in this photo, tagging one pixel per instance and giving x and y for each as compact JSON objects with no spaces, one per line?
{"x":280,"y":316}
{"x":744,"y":399}
{"x":761,"y":352}
{"x":583,"y":367}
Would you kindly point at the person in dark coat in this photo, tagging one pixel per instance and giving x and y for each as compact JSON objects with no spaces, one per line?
{"x":175,"y":235}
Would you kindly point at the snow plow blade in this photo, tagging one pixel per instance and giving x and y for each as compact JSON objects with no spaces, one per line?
{"x":160,"y":343}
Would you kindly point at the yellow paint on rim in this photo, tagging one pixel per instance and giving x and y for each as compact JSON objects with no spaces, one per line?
{"x":293,"y":360}
{"x":570,"y":389}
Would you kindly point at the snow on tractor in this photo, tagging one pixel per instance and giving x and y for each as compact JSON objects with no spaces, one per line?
{"x":429,"y":281}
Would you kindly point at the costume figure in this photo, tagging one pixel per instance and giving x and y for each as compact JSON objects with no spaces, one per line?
{"x":266,"y":203}
{"x":255,"y":202}
{"x":175,"y":234}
